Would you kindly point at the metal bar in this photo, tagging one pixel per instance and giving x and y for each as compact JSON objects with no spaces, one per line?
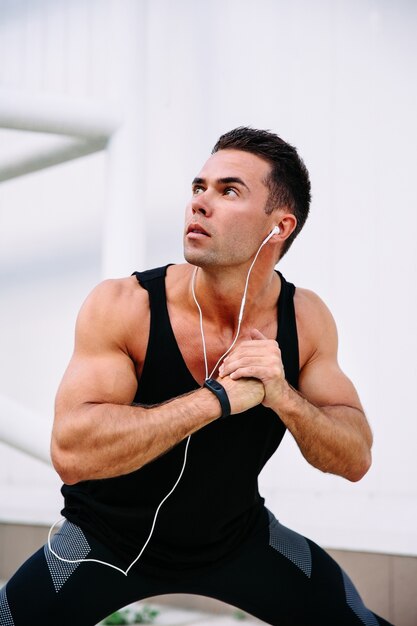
{"x":64,"y":149}
{"x":60,"y":115}
{"x":23,"y":429}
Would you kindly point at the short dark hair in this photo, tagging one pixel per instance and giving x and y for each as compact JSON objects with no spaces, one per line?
{"x":289,"y":181}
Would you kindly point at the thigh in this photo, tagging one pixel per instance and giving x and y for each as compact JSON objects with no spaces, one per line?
{"x":284,"y":579}
{"x":48,"y":591}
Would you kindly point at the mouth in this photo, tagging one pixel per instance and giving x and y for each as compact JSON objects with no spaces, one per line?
{"x":197,"y":231}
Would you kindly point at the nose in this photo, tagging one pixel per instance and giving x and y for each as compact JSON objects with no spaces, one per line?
{"x":200,"y":205}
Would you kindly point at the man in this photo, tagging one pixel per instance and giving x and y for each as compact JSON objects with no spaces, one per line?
{"x":182,"y":384}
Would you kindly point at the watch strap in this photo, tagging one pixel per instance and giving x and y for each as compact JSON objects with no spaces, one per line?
{"x":220,"y":392}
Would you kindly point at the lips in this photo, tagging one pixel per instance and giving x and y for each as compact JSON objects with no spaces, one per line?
{"x":197,"y":229}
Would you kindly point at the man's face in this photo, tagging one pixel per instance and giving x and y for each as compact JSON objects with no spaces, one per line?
{"x":225,"y":220}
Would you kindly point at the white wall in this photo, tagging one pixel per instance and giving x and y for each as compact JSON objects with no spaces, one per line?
{"x":335,"y":79}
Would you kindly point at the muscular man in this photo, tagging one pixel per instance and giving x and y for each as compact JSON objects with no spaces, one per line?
{"x":136,"y":422}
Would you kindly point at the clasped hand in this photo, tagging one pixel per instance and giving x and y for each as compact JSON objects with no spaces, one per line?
{"x":258,"y":358}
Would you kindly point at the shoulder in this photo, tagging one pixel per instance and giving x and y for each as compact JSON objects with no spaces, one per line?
{"x":307,"y":303}
{"x":115,"y":296}
{"x":115,"y":310}
{"x":315,"y":324}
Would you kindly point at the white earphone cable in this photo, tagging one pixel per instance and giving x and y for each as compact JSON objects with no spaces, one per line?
{"x":119,"y":569}
{"x":242,"y":308}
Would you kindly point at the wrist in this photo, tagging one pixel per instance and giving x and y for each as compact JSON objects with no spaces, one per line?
{"x":217,"y":389}
{"x":278,"y":396}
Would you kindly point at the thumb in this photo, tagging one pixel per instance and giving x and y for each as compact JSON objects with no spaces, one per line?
{"x":256,"y":334}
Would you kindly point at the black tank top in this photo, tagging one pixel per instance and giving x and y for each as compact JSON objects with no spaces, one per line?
{"x":217,"y":504}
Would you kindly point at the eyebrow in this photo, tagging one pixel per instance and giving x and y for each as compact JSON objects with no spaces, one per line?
{"x":227,"y":180}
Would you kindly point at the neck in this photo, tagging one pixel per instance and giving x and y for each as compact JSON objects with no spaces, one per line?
{"x":220,"y":293}
{"x":236,"y":320}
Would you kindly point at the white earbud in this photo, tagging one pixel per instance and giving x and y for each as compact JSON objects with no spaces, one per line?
{"x":273,"y":232}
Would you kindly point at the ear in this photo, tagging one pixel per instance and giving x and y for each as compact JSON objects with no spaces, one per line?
{"x":287,"y":223}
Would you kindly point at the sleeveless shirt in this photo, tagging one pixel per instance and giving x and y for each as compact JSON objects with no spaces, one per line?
{"x":216,"y":505}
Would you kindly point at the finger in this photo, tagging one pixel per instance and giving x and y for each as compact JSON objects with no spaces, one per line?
{"x":251,"y":347}
{"x":256,"y":334}
{"x":265,"y":362}
{"x":246,"y":372}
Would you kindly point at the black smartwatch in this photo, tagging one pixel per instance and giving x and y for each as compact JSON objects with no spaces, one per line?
{"x":220,"y":393}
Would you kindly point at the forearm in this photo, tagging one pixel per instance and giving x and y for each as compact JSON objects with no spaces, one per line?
{"x":334,"y":439}
{"x":105,"y":440}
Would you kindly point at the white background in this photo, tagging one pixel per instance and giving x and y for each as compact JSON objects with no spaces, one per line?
{"x":335,"y":79}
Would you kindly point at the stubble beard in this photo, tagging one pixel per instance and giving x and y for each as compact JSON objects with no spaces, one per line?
{"x":209,"y":259}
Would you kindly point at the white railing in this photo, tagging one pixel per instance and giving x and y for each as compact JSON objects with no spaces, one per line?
{"x":80,"y":128}
{"x":75,"y":128}
{"x":24,"y":429}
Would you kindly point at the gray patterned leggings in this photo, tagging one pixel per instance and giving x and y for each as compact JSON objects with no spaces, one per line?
{"x":277,"y":575}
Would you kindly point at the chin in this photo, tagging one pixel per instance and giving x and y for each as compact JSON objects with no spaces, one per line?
{"x":193,"y":256}
{"x":197,"y":258}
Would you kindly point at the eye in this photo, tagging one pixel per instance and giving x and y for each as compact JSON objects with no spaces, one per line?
{"x":230,"y":191}
{"x":197,"y":189}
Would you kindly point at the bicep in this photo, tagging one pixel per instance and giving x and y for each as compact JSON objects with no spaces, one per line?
{"x":100,"y":370}
{"x":323,"y":383}
{"x":321,"y":379}
{"x":90,"y":378}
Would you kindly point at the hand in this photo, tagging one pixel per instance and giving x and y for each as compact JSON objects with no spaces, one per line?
{"x":243,"y":394}
{"x":258,"y":358}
